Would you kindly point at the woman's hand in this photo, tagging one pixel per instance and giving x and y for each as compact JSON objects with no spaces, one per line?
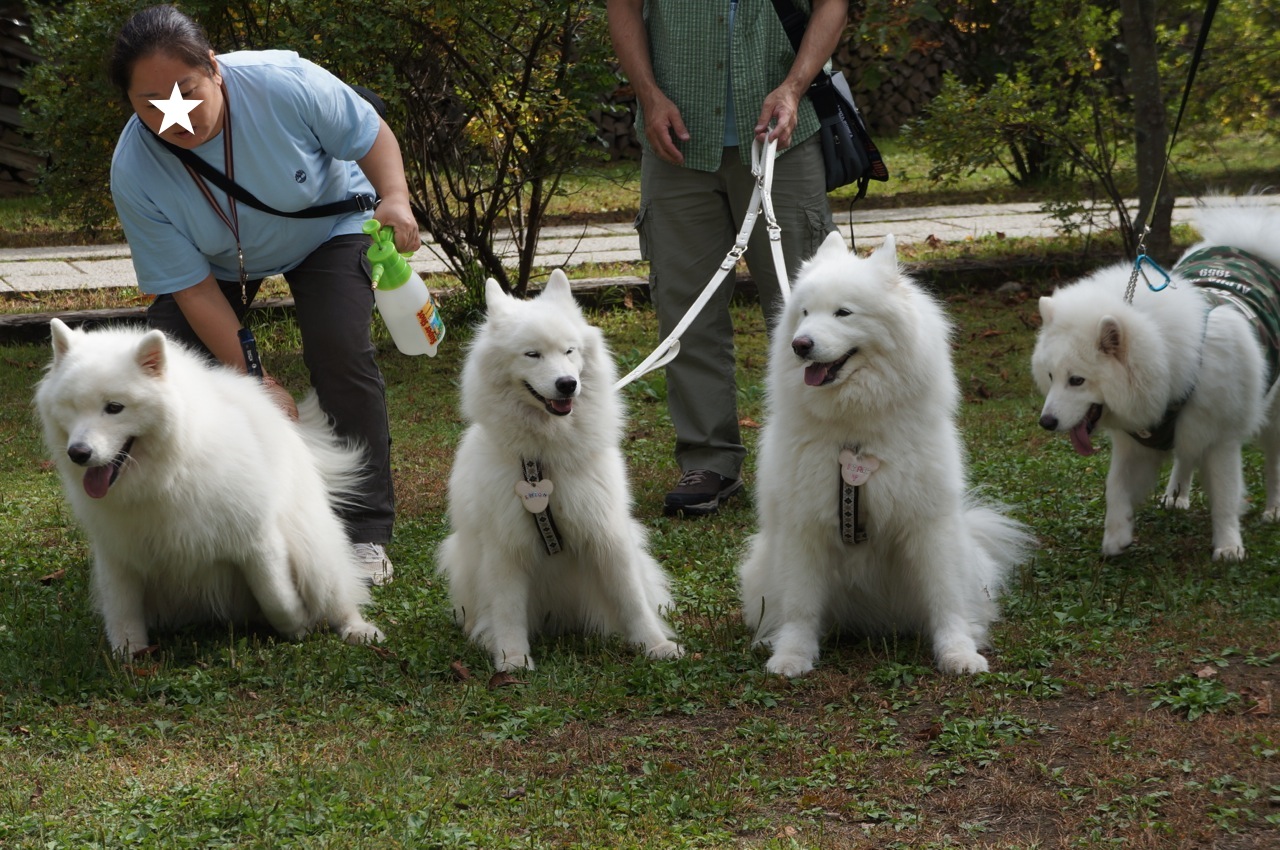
{"x":394,"y":212}
{"x":282,"y":397}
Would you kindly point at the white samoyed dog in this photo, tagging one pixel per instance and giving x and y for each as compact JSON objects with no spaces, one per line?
{"x":539,"y":508}
{"x":1186,"y":370}
{"x":201,"y":500}
{"x":864,"y":516}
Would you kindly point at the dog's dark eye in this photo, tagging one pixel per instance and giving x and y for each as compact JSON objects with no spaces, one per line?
{"x":842,"y":312}
{"x":534,"y":354}
{"x":570,"y":350}
{"x":804,"y":312}
{"x":113,"y":407}
{"x":1075,"y":380}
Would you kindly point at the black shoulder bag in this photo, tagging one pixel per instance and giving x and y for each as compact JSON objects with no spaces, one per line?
{"x":847,"y":150}
{"x":357,"y":203}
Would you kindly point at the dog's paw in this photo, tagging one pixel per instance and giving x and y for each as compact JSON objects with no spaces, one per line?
{"x":1229,"y":553}
{"x":789,"y":665}
{"x":505,"y":663}
{"x":666,"y":649}
{"x":962,"y":662}
{"x":126,"y":638}
{"x":1181,"y":502}
{"x":362,"y":633}
{"x":1116,"y":544}
{"x":1271,"y":515}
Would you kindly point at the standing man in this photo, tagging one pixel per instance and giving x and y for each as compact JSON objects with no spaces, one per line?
{"x":711,"y":76}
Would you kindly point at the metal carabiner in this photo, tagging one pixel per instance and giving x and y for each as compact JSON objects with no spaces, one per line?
{"x":1142,"y":260}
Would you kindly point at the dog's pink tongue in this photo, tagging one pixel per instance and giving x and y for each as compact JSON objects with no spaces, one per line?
{"x":1080,"y":439}
{"x":562,"y":405}
{"x":815,"y":374}
{"x":97,"y":481}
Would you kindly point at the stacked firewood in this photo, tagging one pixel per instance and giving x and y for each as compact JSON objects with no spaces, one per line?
{"x":891,"y":92}
{"x":18,"y":165}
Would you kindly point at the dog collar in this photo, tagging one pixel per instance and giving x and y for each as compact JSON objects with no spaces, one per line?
{"x":534,"y":492}
{"x":855,"y":469}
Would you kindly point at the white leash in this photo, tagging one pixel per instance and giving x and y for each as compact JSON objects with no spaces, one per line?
{"x":762,"y":156}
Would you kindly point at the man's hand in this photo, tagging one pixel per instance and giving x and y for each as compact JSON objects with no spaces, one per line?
{"x":663,"y":126}
{"x":780,"y":109}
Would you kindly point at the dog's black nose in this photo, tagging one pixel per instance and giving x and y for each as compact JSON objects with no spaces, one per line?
{"x":566,"y":386}
{"x":79,"y":453}
{"x":1049,"y":423}
{"x":802,"y":345}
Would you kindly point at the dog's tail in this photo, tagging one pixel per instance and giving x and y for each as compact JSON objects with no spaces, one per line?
{"x":1006,"y":542}
{"x":341,"y":463}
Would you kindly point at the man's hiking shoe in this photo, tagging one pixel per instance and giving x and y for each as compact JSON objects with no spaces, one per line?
{"x":699,"y":493}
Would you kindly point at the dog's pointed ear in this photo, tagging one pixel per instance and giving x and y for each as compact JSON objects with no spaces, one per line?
{"x":558,"y":287}
{"x":61,"y":336}
{"x":1046,"y":310}
{"x":887,"y":256}
{"x":1111,"y":340}
{"x":495,"y":300}
{"x":150,"y":355}
{"x":888,"y":249}
{"x":833,"y":245}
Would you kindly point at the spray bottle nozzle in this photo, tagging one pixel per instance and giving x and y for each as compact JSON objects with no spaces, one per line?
{"x":380,"y":234}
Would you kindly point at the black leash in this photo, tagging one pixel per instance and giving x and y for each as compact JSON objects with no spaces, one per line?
{"x":1210,"y":8}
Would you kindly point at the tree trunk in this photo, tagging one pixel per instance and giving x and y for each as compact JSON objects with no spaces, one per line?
{"x":1137,"y":23}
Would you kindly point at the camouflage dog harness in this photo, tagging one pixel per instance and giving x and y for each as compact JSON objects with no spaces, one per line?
{"x":1245,"y":281}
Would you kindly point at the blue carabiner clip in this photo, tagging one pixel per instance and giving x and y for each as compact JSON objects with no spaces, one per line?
{"x":1138,"y":263}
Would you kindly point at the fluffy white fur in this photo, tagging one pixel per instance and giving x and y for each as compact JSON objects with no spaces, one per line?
{"x":935,"y":558}
{"x":200,"y":499}
{"x":1103,"y":363}
{"x":505,"y":587}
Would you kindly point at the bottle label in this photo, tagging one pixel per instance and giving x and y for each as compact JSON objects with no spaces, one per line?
{"x":430,"y":322}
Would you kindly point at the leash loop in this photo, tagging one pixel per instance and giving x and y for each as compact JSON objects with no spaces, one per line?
{"x":762,"y":157}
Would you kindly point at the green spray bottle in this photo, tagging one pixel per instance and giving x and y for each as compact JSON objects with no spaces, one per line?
{"x":403,"y":299}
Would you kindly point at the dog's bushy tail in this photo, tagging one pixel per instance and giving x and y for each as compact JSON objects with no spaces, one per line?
{"x":341,"y":463}
{"x":1006,"y":542}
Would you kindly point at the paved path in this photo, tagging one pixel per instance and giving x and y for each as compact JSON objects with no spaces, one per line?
{"x":106,"y":266}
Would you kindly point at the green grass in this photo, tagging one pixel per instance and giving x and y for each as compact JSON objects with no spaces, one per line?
{"x":1081,"y":736}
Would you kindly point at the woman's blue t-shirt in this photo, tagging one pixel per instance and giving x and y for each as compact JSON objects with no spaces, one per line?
{"x":297,"y":131}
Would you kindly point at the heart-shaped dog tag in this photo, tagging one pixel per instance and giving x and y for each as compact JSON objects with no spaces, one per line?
{"x":535,"y":497}
{"x":855,"y":469}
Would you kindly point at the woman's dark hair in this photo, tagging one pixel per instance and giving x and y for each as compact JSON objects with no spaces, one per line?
{"x":157,"y":29}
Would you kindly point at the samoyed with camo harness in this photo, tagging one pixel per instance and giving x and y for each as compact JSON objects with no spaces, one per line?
{"x":1187,"y":371}
{"x":542,"y":538}
{"x":202,"y":502}
{"x":866,"y":523}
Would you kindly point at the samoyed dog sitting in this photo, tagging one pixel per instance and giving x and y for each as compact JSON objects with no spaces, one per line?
{"x":542,"y":537}
{"x":1187,"y":371}
{"x":201,"y":500}
{"x":865,"y":523}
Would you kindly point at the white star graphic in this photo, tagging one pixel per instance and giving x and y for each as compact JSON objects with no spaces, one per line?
{"x":176,"y":110}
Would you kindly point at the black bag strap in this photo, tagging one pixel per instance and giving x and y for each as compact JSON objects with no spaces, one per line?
{"x":358,"y":203}
{"x":793,"y":21}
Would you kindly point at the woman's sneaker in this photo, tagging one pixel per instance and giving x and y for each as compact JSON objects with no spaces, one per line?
{"x":699,"y":493}
{"x":375,"y":566}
